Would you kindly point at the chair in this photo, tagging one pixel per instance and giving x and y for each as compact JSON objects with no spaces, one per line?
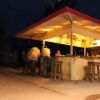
{"x":56,"y":70}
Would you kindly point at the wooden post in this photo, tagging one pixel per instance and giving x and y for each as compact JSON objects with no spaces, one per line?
{"x":84,"y":51}
{"x":71,"y":53}
{"x":71,"y":43}
{"x":43,"y":42}
{"x":71,"y":47}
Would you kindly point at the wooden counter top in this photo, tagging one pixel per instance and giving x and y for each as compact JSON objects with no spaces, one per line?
{"x":90,"y":57}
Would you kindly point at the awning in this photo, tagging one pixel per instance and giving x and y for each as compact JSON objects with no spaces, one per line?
{"x":63,"y":21}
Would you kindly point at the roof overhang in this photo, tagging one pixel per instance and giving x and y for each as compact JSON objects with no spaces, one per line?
{"x":63,"y":21}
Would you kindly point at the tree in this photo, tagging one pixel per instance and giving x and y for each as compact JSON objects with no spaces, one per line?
{"x":2,"y":33}
{"x":48,"y":10}
{"x":72,"y":3}
{"x":62,"y":3}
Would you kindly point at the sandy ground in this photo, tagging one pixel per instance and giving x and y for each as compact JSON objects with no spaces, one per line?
{"x":15,"y":86}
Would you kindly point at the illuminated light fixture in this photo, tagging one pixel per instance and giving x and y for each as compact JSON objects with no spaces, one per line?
{"x":97,"y":42}
{"x":93,"y":27}
{"x":54,"y":40}
{"x":66,"y":23}
{"x":46,"y":29}
{"x":57,"y":26}
{"x":77,"y":22}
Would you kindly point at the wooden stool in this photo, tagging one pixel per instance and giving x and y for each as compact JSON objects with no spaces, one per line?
{"x":95,"y":70}
{"x":41,"y":66}
{"x":56,"y":70}
{"x":88,"y":73}
{"x":27,"y":68}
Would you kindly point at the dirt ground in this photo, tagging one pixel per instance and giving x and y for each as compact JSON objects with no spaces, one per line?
{"x":15,"y":86}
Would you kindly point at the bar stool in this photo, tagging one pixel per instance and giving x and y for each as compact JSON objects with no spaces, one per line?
{"x":27,"y":69}
{"x":56,"y":70}
{"x":95,"y":70}
{"x":41,"y":66}
{"x":88,"y":73}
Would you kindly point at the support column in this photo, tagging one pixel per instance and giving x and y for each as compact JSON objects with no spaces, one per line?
{"x":71,"y":53}
{"x":71,"y":47}
{"x":43,"y":42}
{"x":71,"y":43}
{"x":84,"y":51}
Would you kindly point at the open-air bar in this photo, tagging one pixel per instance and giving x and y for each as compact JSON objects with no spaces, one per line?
{"x":69,"y":27}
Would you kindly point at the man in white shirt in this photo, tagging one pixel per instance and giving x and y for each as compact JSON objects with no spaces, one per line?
{"x":46,"y":61}
{"x":46,"y":51}
{"x":33,"y":56}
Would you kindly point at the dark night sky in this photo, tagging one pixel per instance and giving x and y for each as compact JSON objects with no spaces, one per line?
{"x":89,"y":7}
{"x":15,"y":14}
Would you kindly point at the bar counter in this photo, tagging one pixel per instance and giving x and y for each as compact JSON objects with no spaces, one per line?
{"x":76,"y":71}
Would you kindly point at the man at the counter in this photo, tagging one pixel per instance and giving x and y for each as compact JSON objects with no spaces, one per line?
{"x":58,"y":53}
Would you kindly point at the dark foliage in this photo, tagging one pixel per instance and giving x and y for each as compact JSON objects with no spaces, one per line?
{"x":2,"y":33}
{"x":62,"y":3}
{"x":48,"y":10}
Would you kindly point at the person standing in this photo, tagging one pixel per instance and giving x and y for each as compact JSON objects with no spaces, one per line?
{"x":46,"y":61}
{"x":33,"y":56}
